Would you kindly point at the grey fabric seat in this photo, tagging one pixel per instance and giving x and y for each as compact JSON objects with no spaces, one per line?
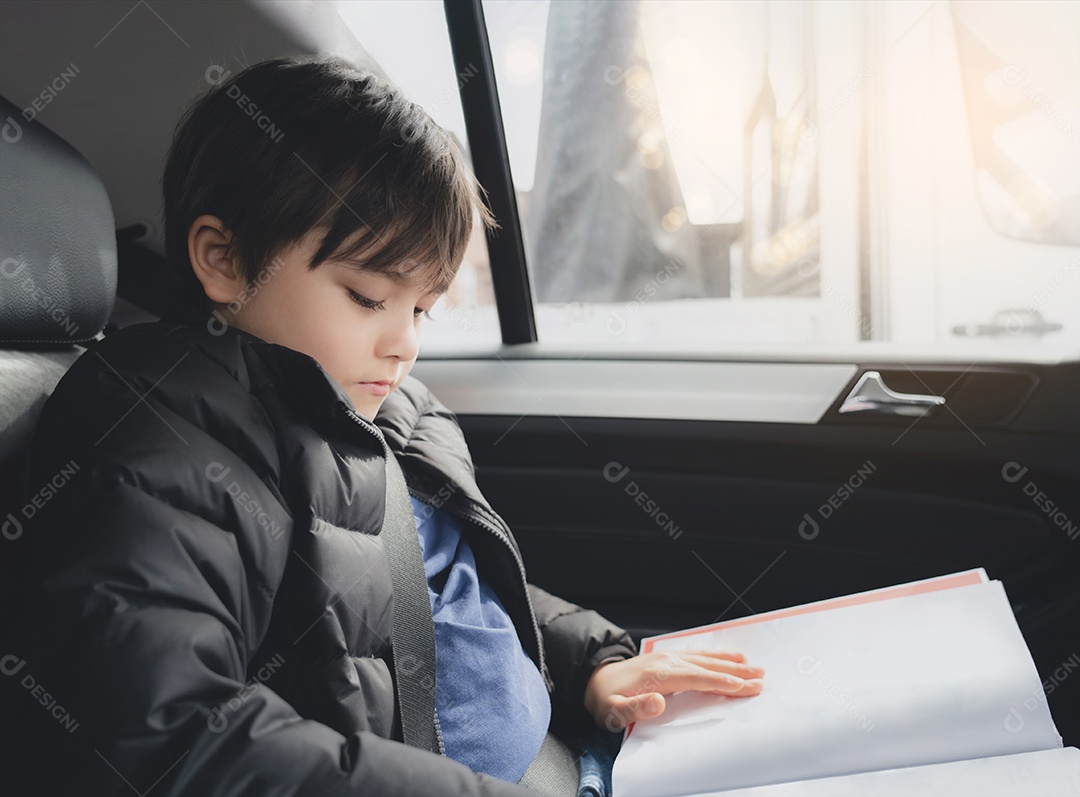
{"x":57,"y":288}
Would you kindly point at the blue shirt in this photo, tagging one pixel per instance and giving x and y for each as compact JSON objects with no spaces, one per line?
{"x":493,"y":706}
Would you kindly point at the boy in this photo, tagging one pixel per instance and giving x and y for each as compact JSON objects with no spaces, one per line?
{"x":210,"y":595}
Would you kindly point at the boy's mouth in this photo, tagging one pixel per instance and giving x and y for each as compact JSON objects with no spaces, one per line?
{"x":381,"y":388}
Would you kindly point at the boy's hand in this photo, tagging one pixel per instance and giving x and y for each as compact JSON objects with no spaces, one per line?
{"x":621,"y":692}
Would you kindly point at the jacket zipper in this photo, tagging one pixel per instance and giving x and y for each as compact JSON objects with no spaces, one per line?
{"x":474,"y":518}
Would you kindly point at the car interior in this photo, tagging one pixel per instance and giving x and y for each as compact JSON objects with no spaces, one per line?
{"x":690,"y":484}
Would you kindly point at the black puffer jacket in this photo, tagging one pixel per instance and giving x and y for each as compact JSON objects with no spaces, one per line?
{"x":207,"y":604}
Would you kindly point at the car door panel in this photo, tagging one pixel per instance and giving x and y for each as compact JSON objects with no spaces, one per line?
{"x":664,"y":523}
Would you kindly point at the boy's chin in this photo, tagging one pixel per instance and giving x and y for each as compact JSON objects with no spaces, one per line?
{"x":367,"y":406}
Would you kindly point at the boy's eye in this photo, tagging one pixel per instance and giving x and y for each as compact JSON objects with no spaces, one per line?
{"x":371,"y":304}
{"x":363,"y":301}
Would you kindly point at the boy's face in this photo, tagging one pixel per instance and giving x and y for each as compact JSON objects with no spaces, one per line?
{"x":360,"y":326}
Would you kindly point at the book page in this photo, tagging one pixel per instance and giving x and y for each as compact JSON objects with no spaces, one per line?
{"x":1051,"y":773}
{"x":921,"y":679}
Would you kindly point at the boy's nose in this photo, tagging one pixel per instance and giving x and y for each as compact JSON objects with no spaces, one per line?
{"x":399,"y":338}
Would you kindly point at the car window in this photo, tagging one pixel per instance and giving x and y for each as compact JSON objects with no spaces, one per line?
{"x":413,"y":49}
{"x":903,"y":176}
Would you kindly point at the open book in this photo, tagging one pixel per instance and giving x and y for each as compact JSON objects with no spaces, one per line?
{"x":924,"y":688}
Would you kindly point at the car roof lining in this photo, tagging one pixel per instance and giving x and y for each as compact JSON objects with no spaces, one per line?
{"x":115,"y":78}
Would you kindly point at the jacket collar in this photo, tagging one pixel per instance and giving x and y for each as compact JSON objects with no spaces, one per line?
{"x":298,"y":376}
{"x":412,"y":422}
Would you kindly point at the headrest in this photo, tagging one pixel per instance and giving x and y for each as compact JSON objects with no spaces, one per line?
{"x":57,"y":238}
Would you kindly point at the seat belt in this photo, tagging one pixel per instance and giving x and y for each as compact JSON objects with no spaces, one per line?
{"x":554,"y":771}
{"x":413,"y":627}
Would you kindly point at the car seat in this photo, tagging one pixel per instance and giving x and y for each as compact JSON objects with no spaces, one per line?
{"x":57,"y":289}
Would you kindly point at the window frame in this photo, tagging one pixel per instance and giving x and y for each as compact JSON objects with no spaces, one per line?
{"x":491,"y":163}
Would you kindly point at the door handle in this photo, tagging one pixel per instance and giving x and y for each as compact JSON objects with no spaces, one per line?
{"x":872,"y":395}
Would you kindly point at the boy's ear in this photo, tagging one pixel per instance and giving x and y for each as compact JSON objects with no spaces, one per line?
{"x":208,"y":244}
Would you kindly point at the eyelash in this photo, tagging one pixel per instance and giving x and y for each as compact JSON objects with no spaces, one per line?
{"x":370,"y":304}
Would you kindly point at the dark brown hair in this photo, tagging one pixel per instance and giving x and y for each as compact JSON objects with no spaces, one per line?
{"x":294,"y":144}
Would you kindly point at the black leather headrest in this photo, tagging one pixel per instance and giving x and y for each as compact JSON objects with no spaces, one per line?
{"x":57,"y":238}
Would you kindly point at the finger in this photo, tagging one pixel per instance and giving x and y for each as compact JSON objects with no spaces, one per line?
{"x":700,"y":679}
{"x":712,"y":661}
{"x":624,"y":710}
{"x":729,"y":655}
{"x":725,"y":665}
{"x":750,"y":687}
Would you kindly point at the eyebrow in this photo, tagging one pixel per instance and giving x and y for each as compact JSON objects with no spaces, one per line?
{"x":394,"y":276}
{"x":356,"y":265}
